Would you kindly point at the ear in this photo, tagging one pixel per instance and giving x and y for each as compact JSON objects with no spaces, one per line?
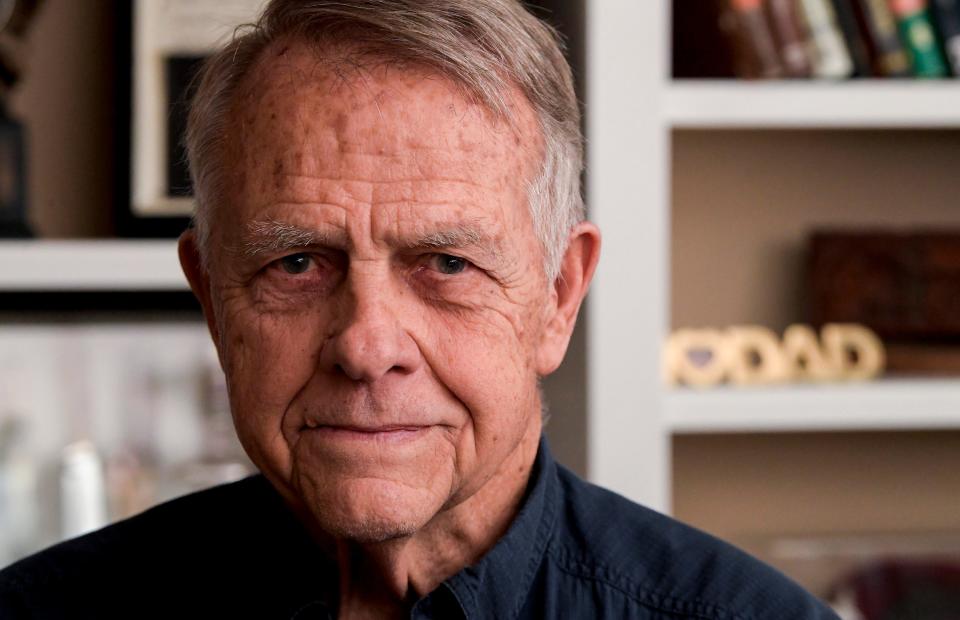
{"x":198,"y":278}
{"x":570,"y":287}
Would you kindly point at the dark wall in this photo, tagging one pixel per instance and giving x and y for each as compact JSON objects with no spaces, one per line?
{"x":569,"y":17}
{"x":566,"y":389}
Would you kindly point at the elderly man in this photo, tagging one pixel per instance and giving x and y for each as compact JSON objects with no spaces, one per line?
{"x":390,"y":252}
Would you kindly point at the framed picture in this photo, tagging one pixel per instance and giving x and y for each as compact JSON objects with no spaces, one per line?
{"x":168,"y":40}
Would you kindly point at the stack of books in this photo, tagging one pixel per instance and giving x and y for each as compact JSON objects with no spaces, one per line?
{"x":833,"y":39}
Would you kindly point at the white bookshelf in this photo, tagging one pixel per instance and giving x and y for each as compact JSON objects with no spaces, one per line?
{"x":104,"y":265}
{"x":633,"y":106}
{"x":819,"y":104}
{"x":885,"y":405}
{"x":627,"y":197}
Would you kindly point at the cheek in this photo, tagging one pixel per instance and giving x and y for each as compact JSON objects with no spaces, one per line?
{"x":491,"y":334}
{"x":480,"y":361}
{"x":268,"y":358}
{"x":485,"y":358}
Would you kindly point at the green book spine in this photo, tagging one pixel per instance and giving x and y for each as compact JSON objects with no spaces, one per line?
{"x":920,"y":39}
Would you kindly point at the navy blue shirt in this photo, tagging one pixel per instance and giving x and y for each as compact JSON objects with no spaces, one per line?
{"x":573,"y":551}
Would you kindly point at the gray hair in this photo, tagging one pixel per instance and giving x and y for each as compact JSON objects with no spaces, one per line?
{"x":484,"y":46}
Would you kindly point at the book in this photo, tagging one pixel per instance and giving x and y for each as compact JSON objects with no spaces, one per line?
{"x":829,"y":55}
{"x":856,"y":45}
{"x":919,"y":38}
{"x":700,"y":49}
{"x":946,"y":17}
{"x":879,"y":28}
{"x":790,"y":35}
{"x":755,"y":53}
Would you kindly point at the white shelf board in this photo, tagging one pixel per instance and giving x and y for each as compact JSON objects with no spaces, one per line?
{"x":889,"y":404}
{"x":811,"y":104}
{"x":103,"y":265}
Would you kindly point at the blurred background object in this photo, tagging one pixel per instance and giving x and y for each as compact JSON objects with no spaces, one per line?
{"x":15,"y":16}
{"x":878,"y":577}
{"x":101,"y":420}
{"x":893,"y":589}
{"x":903,"y":285}
{"x":83,"y":500}
{"x":165,"y":43}
{"x":754,"y":355}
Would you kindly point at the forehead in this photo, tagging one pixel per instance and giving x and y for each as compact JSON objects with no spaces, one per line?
{"x":317,"y":126}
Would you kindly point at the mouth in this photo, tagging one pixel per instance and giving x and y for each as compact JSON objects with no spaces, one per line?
{"x":365,"y":433}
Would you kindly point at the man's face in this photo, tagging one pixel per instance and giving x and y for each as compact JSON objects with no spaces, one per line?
{"x":377,"y":290}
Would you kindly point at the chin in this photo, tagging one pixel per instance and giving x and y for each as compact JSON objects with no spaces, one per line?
{"x":370,"y":531}
{"x":369,"y":510}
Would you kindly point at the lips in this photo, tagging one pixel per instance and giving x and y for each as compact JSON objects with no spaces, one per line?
{"x":384,"y":427}
{"x":356,"y":436}
{"x":393,"y":428}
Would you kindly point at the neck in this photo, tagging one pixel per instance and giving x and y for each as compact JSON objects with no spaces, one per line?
{"x":383,"y":579}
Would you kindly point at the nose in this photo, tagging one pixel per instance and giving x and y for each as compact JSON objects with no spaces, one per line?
{"x":370,"y":340}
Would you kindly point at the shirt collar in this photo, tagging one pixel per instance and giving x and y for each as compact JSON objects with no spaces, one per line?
{"x":499,"y":583}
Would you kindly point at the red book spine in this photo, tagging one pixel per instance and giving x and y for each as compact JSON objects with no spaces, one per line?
{"x":755,"y":50}
{"x":791,"y":37}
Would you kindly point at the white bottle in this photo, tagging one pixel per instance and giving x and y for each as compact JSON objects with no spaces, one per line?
{"x":83,"y":500}
{"x":18,"y":494}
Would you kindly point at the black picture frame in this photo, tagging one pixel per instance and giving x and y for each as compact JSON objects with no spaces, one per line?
{"x":127,"y":222}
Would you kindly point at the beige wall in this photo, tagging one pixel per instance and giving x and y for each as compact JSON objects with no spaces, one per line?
{"x":744,"y":201}
{"x":874,"y":489}
{"x":740,"y":486}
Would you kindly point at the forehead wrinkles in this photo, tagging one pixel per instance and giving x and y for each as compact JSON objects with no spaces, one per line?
{"x":373,"y":137}
{"x":302,"y":90}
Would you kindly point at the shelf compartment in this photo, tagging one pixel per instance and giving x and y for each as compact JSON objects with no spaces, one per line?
{"x":823,"y":104}
{"x":889,"y":404}
{"x":95,"y":265}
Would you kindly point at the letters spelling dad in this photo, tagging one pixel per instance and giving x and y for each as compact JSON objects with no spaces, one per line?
{"x":754,"y":355}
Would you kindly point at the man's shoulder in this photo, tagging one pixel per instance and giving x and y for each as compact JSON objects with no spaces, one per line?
{"x":176,"y":540}
{"x":663,"y":564}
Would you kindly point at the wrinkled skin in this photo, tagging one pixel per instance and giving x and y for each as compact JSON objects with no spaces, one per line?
{"x":377,"y":297}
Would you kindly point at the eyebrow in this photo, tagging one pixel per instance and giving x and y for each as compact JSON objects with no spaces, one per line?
{"x":458,"y":236}
{"x":272,"y":237}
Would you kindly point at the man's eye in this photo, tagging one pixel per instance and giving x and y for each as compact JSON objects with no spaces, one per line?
{"x":296,"y":263}
{"x":449,"y":265}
